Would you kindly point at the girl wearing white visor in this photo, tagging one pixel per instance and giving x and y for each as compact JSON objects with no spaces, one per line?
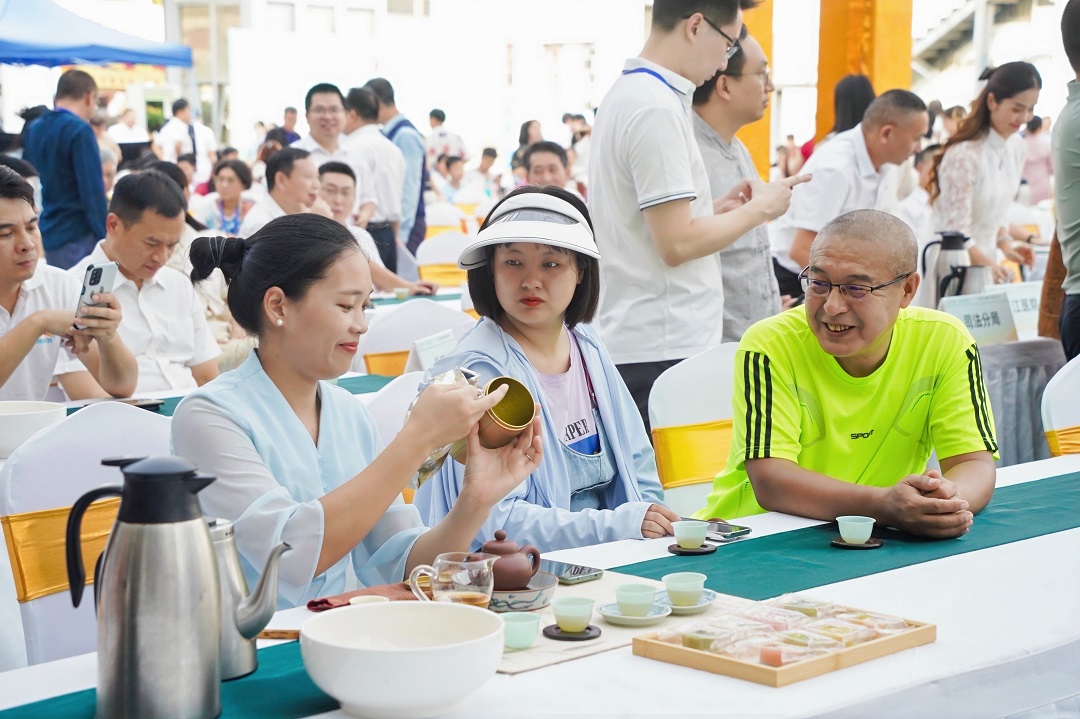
{"x":534,"y":278}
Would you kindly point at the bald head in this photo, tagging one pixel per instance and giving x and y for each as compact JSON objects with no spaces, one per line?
{"x":894,"y":107}
{"x":888,"y":239}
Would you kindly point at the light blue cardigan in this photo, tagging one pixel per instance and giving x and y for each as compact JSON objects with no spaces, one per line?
{"x":538,"y":510}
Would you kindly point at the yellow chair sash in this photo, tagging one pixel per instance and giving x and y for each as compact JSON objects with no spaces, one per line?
{"x":434,"y":230}
{"x":1064,"y":441}
{"x":36,"y":540}
{"x":691,"y":453}
{"x":472,"y":313}
{"x":447,"y":274}
{"x":388,"y":364}
{"x":407,"y":495}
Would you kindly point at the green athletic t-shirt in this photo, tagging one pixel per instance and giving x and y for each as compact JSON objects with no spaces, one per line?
{"x":793,"y":401}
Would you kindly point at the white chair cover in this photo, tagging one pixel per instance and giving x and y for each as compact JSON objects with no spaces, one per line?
{"x":443,"y":248}
{"x":696,"y":390}
{"x":388,"y":405}
{"x":53,"y":469}
{"x":443,"y":214}
{"x":396,"y":328}
{"x":1061,"y":398}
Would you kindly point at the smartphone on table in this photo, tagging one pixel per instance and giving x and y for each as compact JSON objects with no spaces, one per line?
{"x":570,"y":573}
{"x":722,"y":531}
{"x":97,"y":279}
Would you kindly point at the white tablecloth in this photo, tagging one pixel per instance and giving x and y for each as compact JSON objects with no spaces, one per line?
{"x":1008,"y":645}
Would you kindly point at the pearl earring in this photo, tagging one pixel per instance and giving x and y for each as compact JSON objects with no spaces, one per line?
{"x":280,"y":322}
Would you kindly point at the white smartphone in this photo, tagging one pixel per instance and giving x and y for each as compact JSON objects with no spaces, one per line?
{"x":98,"y":278}
{"x":570,"y":573}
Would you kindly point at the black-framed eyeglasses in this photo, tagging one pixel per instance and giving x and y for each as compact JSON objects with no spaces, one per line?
{"x":821,"y":288}
{"x":733,"y":44}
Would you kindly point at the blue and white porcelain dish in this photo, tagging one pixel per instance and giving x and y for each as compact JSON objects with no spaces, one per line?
{"x":612,"y":615}
{"x":536,"y":596}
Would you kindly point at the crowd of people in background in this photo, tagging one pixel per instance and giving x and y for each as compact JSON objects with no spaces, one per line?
{"x":654,"y":216}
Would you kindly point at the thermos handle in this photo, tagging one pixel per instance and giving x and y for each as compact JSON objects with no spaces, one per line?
{"x":76,"y":572}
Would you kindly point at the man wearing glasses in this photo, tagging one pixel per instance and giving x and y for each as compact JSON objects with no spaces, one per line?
{"x":324,"y":109}
{"x":838,"y":405}
{"x":655,"y":216}
{"x":729,"y":100}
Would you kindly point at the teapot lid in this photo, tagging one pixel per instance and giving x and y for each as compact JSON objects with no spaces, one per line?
{"x":500,"y":545}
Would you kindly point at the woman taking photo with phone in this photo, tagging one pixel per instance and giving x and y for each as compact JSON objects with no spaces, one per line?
{"x":534,"y":278}
{"x":298,"y":459}
{"x":977,"y":174}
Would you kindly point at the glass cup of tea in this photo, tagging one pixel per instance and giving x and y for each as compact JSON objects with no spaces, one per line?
{"x":458,"y":577}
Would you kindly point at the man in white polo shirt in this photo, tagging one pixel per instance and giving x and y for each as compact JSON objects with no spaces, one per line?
{"x":384,"y":163}
{"x":292,"y":187}
{"x":650,"y":199}
{"x":37,"y":314}
{"x":324,"y":108}
{"x":164,"y":320}
{"x":855,"y":170}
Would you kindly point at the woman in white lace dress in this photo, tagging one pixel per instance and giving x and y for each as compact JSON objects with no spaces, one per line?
{"x":978,"y":171}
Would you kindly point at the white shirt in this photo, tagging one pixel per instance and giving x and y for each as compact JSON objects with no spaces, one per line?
{"x":644,"y":154}
{"x":443,"y":142}
{"x":163,"y":325}
{"x":205,"y":143}
{"x":320,"y":156}
{"x":384,"y":165}
{"x":172,"y":132}
{"x":844,"y":180}
{"x":49,"y":289}
{"x":121,"y":133}
{"x":978,"y":180}
{"x":265,"y":209}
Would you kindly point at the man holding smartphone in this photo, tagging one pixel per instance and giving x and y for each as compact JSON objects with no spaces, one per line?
{"x":37,"y":314}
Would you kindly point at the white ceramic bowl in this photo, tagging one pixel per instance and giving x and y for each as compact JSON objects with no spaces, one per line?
{"x":19,"y":421}
{"x":537,"y":596}
{"x":402,"y":660}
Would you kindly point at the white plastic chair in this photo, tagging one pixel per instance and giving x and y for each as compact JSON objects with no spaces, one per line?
{"x":437,"y":257}
{"x":691,"y":402}
{"x":384,"y":349}
{"x":53,"y":469}
{"x":1061,"y":411}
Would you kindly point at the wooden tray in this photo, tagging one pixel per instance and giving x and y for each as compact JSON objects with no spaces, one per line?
{"x":647,"y":645}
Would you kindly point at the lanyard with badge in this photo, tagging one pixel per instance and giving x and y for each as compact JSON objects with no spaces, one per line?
{"x":658,"y":76}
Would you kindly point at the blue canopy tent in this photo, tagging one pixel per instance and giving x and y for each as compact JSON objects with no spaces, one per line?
{"x":37,"y":32}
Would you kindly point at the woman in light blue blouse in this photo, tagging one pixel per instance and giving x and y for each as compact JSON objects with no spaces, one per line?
{"x":298,"y":459}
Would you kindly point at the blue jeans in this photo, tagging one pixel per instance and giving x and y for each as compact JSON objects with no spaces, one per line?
{"x":68,"y":255}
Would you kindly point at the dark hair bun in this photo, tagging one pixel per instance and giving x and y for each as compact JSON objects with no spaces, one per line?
{"x":987,"y":73}
{"x":210,"y":253}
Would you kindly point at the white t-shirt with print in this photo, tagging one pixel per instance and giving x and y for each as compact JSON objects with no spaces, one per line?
{"x":570,"y":403}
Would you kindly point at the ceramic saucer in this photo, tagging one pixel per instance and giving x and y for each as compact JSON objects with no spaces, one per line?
{"x":872,"y":543}
{"x":612,"y":615}
{"x":708,"y":596}
{"x":703,"y":549}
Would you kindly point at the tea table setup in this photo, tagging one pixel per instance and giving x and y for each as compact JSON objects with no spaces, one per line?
{"x":1003,"y":599}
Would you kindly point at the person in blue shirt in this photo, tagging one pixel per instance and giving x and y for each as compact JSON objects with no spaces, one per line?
{"x":298,"y":459}
{"x":535,"y":281}
{"x":62,"y":146}
{"x":408,"y":139}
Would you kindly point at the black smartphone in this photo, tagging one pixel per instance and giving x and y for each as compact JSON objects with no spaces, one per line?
{"x":570,"y":573}
{"x":721,"y":530}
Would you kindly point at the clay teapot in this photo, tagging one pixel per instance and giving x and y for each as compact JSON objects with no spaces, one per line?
{"x":515,"y":566}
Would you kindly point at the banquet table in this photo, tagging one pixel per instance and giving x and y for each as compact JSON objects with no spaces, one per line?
{"x":1015,"y":374}
{"x":1008,"y":641}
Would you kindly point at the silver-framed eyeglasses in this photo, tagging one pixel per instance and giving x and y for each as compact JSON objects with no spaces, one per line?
{"x":822,"y":288}
{"x":733,"y":44}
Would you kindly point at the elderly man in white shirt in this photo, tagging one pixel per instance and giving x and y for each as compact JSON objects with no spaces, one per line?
{"x":37,"y":316}
{"x":164,"y":321}
{"x":324,"y":108}
{"x":855,"y":170}
{"x":382,"y":162}
{"x":292,"y":187}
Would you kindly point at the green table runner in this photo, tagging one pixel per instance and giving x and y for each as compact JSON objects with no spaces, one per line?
{"x":801,"y":559}
{"x":278,"y":689}
{"x":385,"y":301}
{"x":357,"y":385}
